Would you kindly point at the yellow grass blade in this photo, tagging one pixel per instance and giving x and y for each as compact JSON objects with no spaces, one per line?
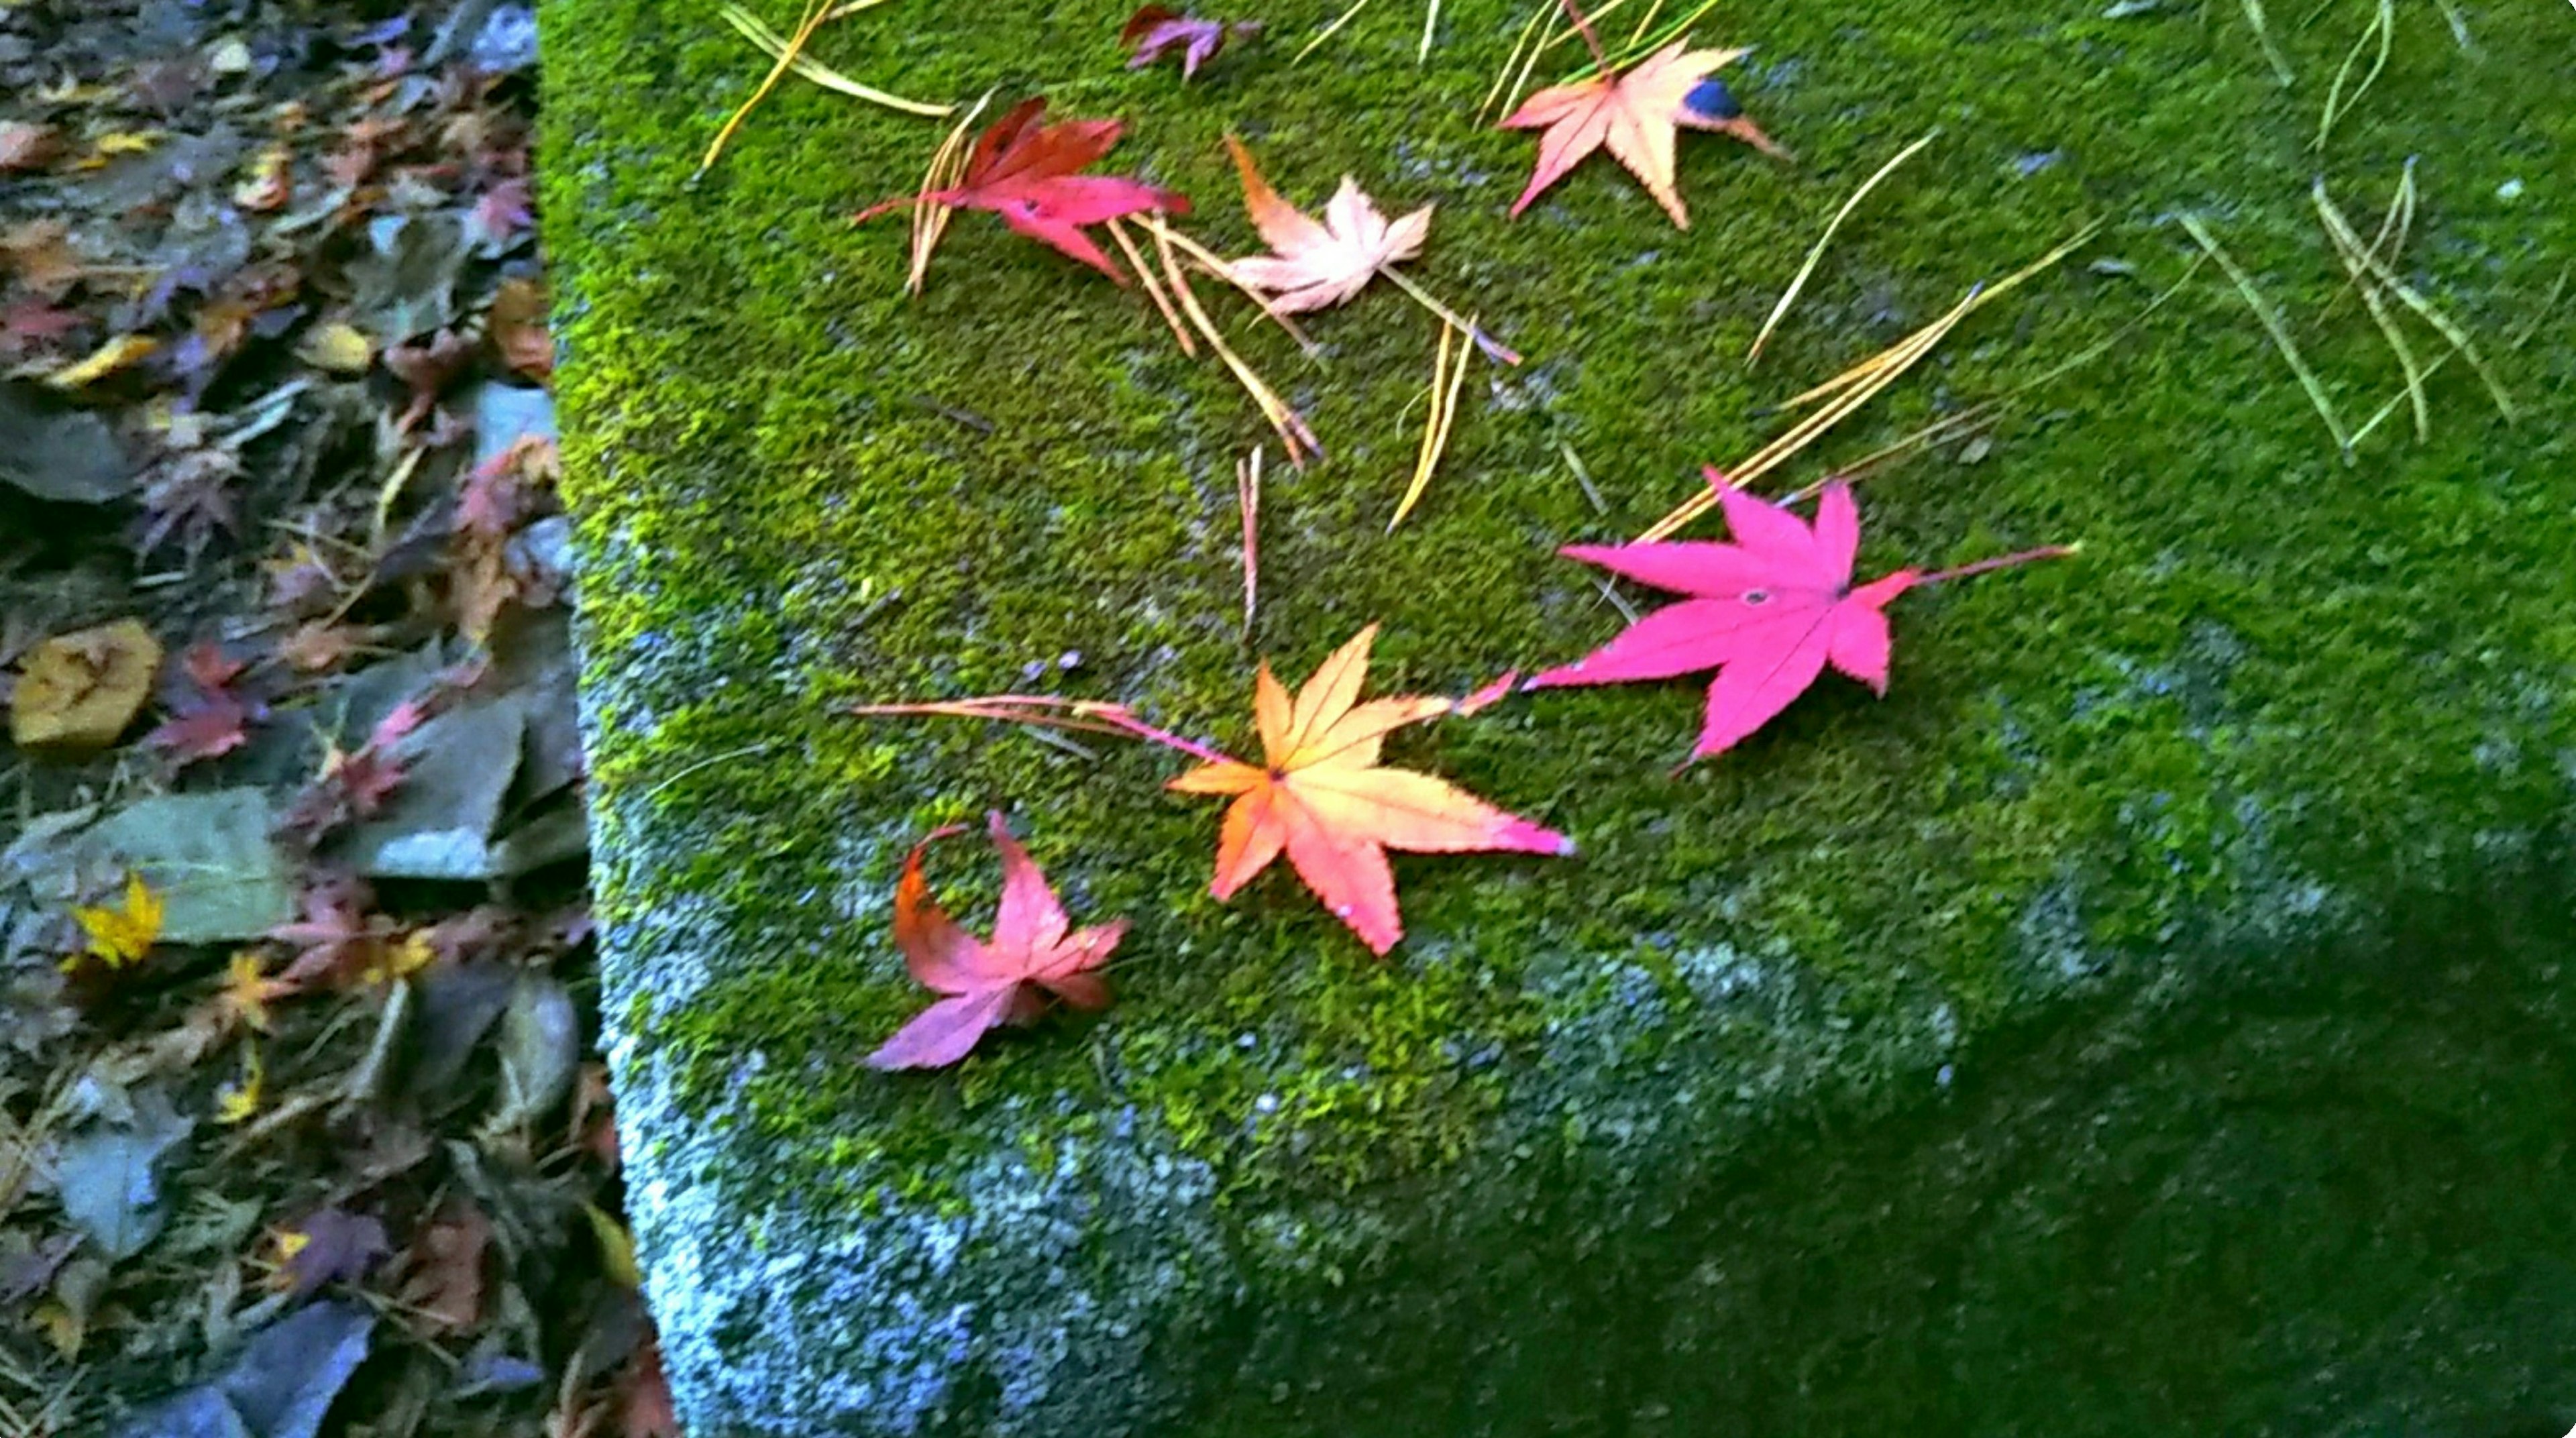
{"x":2273,"y":325}
{"x":1789,"y":296}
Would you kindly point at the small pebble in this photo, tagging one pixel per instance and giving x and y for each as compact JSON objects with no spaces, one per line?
{"x":2510,"y":189}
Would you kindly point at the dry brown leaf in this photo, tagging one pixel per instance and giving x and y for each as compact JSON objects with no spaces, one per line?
{"x":518,"y":328}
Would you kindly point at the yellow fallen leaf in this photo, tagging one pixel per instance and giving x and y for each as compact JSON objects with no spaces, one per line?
{"x":405,"y":956}
{"x":235,"y":1102}
{"x":122,"y":935}
{"x":339,"y":347}
{"x":77,"y":692}
{"x":616,"y":1246}
{"x":119,"y":353}
{"x":247,"y":990}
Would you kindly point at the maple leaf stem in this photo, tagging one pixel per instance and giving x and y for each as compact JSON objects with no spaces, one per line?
{"x":1583,"y":26}
{"x":2003,"y":561}
{"x":1496,"y":348}
{"x":1081,"y":716}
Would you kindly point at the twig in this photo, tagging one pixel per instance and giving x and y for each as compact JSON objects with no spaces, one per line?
{"x":1815,"y":256}
{"x":2280,"y":332}
{"x":1430,"y":23}
{"x":2348,"y":247}
{"x":2425,"y":309}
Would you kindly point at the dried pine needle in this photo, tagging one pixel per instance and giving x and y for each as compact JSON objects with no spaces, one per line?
{"x":808,"y":68}
{"x":2348,"y":248}
{"x":1447,"y":376}
{"x":2263,"y":36}
{"x":1208,"y":263}
{"x":786,"y":55}
{"x":929,"y":218}
{"x":1978,"y":298}
{"x":1329,"y":31}
{"x":1880,"y":372}
{"x":2274,"y":326}
{"x":2382,"y":27}
{"x":1153,"y":287}
{"x":1294,"y":435}
{"x":1980,"y":415}
{"x":1857,"y":386}
{"x":2424,"y":309}
{"x":1247,"y":498}
{"x":1815,"y":256}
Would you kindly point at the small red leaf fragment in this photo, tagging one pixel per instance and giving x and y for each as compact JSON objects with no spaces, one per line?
{"x":985,"y":984}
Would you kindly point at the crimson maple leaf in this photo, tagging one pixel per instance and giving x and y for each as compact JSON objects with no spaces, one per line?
{"x":1023,"y":171}
{"x":207,"y":718}
{"x":1768,"y":611}
{"x":987,"y":983}
{"x":1319,"y":796}
{"x":1155,"y":31}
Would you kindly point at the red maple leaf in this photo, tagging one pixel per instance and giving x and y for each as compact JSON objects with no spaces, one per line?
{"x":336,"y":936}
{"x":1023,"y":171}
{"x":987,"y":983}
{"x":206,"y":717}
{"x":1768,"y":611}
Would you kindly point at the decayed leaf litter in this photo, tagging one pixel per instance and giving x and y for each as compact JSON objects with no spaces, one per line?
{"x":294,"y":1084}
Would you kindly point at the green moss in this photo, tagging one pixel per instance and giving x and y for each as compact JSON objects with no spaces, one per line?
{"x":2267,"y":663}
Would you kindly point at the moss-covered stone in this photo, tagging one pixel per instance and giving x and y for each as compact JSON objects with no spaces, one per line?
{"x":2145,"y":1015}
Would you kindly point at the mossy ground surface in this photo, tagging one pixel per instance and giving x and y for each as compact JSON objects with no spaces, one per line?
{"x":2276,"y":690}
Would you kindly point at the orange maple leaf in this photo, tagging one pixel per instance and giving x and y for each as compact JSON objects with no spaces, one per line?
{"x":1635,"y":114}
{"x":1319,"y":796}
